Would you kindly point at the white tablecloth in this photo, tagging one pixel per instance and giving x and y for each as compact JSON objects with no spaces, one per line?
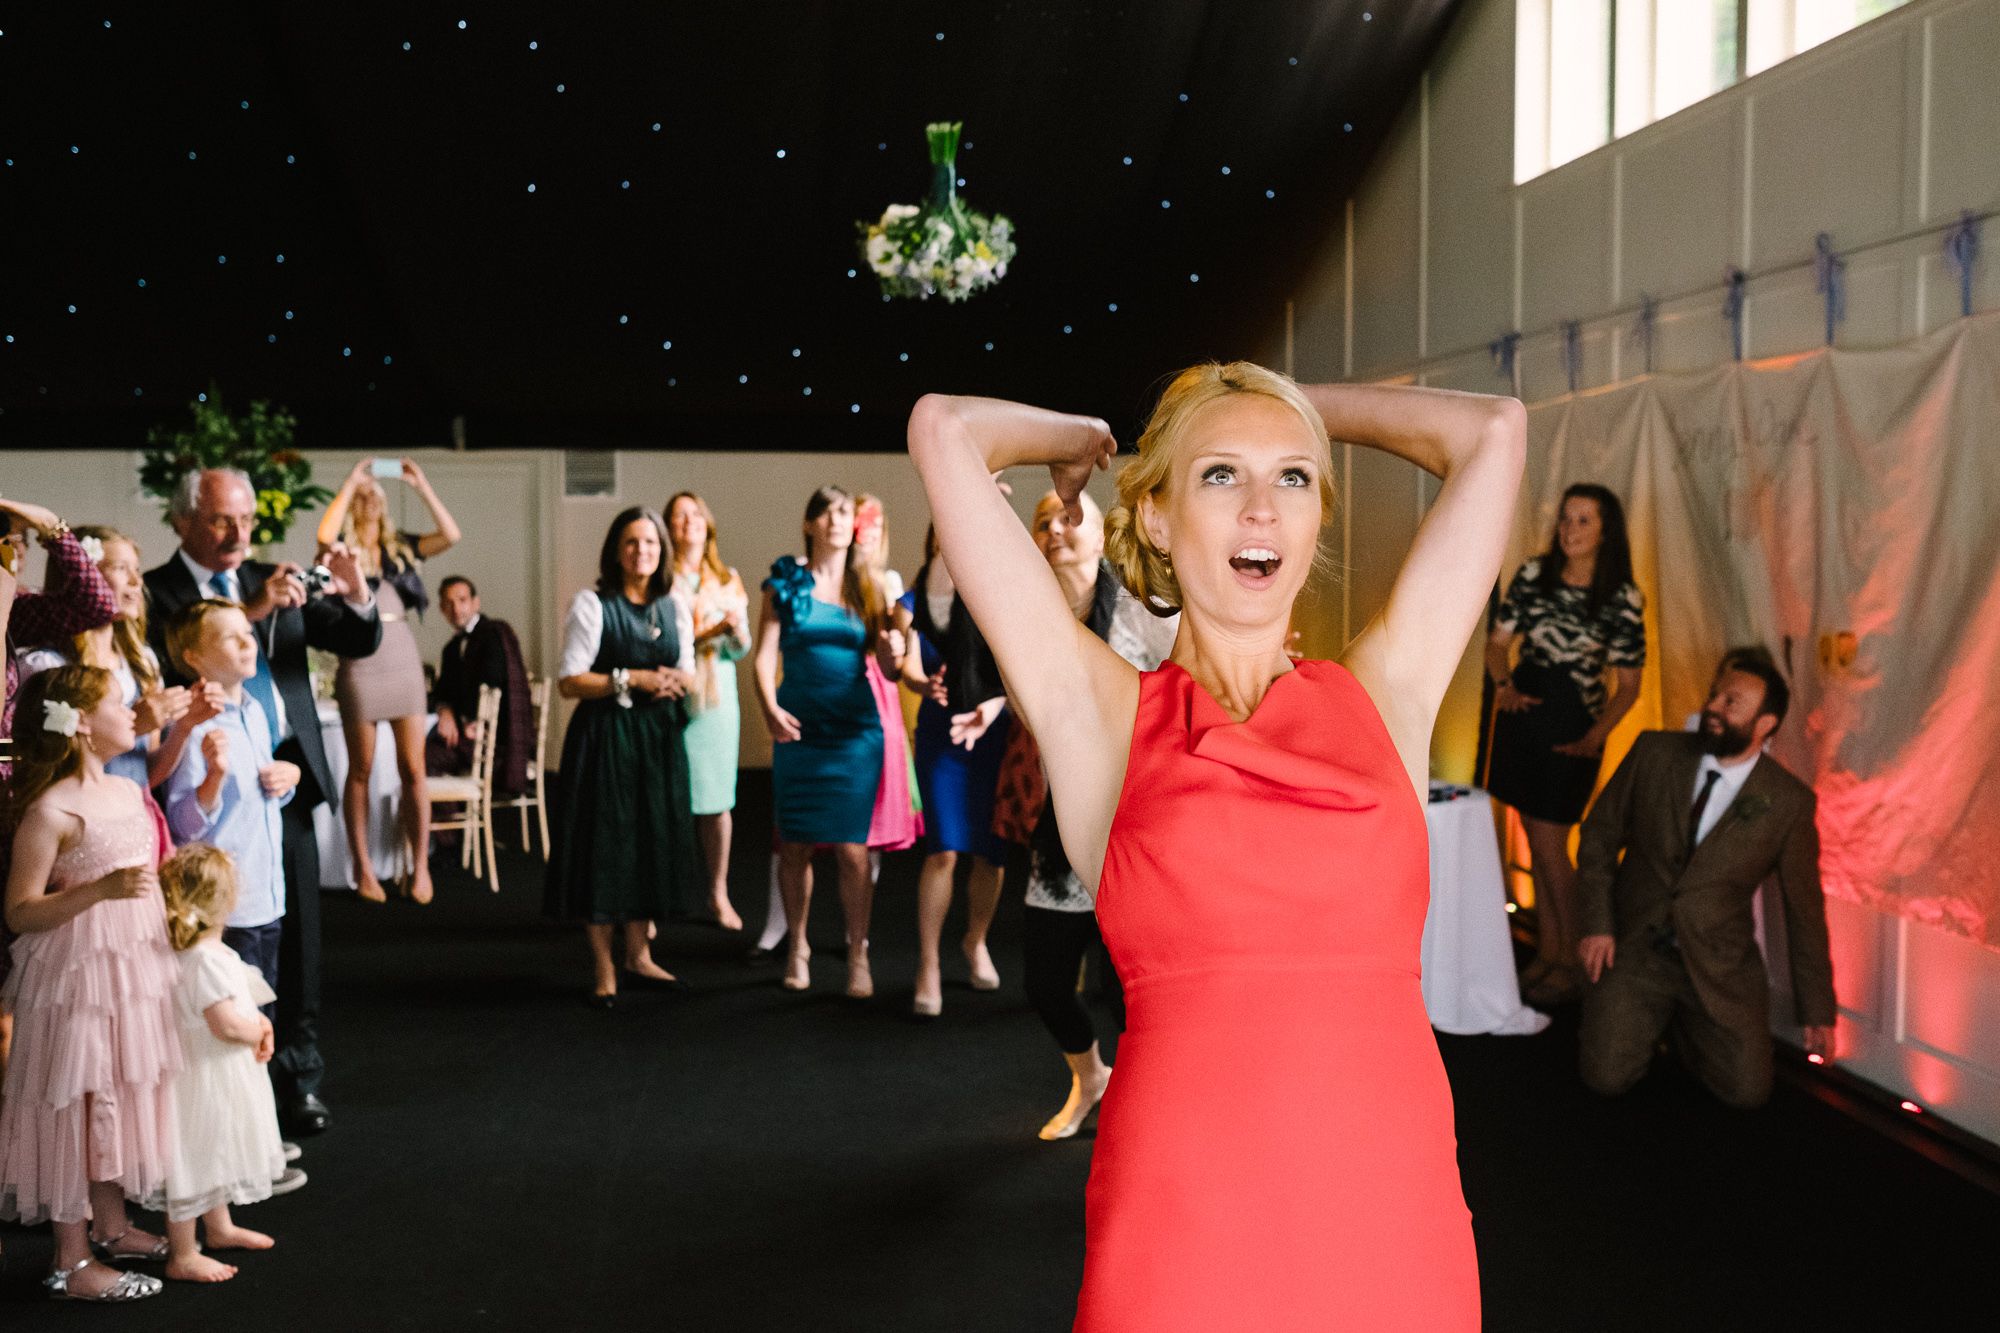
{"x":1468,"y":955}
{"x":385,"y":802}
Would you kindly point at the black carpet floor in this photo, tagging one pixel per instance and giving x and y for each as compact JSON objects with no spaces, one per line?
{"x":741,"y":1158}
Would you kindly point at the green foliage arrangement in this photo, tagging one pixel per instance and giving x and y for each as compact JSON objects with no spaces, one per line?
{"x":258,"y":443}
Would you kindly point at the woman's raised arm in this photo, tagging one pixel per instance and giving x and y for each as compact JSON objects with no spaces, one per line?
{"x":1075,"y":694}
{"x":1407,"y":655}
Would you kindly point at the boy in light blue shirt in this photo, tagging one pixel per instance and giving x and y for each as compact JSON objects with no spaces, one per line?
{"x":227,"y":789}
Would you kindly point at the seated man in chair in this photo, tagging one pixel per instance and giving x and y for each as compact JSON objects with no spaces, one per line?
{"x":483,"y":652}
{"x":1669,"y":944}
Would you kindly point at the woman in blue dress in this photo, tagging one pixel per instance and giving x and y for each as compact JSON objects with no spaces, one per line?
{"x":823,"y":615}
{"x":962,"y":730}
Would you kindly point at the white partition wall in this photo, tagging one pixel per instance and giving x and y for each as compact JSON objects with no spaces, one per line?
{"x":1877,"y":137}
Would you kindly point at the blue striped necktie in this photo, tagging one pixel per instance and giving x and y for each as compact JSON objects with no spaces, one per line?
{"x":261,"y":686}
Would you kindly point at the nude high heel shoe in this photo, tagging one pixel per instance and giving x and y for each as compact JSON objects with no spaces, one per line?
{"x":860,"y":980}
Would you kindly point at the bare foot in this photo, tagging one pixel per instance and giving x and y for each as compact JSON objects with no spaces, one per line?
{"x":420,"y":885}
{"x":860,"y":980}
{"x":644,"y":966}
{"x":984,"y":975}
{"x":369,"y":890}
{"x":725,"y":915}
{"x":1084,"y":1095}
{"x":238,"y":1238}
{"x":198,"y":1267}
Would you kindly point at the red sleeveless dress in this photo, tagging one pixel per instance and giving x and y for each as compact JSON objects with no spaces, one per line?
{"x":1276,"y":1149}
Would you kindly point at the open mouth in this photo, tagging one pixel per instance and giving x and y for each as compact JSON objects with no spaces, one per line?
{"x":1256,"y":561}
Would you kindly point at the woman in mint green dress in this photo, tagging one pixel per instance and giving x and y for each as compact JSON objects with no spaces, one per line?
{"x":714,"y":594}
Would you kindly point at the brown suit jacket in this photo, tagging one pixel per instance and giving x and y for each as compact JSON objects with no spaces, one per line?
{"x":1643,"y":812}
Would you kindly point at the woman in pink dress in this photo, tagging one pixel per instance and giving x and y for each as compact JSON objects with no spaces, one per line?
{"x":898,"y":820}
{"x":87,"y":1117}
{"x":1275,"y":1150}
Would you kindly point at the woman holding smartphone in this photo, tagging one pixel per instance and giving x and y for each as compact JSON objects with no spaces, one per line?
{"x":389,"y":685}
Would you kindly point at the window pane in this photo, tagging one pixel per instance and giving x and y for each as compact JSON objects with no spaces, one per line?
{"x":1579,"y":77}
{"x":1633,"y":86}
{"x":1689,"y":45}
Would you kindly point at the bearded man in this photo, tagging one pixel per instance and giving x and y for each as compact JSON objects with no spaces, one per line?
{"x":1669,"y":945}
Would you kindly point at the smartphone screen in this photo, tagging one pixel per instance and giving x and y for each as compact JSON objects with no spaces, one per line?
{"x":386,"y":467}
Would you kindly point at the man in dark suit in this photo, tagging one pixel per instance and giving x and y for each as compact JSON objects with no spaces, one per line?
{"x":215,"y":513}
{"x":485,"y":651}
{"x":1702,"y":818}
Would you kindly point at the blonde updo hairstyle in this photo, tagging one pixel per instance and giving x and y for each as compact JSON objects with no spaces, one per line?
{"x":199,"y":883}
{"x":1142,"y":567}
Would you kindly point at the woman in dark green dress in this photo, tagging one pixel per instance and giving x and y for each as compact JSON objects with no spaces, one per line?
{"x":624,"y":853}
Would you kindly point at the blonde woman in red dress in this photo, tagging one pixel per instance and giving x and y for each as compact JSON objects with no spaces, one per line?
{"x":1276,"y":1150}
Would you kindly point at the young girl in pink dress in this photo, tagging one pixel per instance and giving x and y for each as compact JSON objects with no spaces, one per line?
{"x":87,"y":1117}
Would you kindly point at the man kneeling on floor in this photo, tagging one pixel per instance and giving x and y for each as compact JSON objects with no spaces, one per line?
{"x":1669,"y":938}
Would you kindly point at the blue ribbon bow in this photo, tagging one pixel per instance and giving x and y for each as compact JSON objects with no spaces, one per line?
{"x":1829,"y":280}
{"x":1642,"y":327}
{"x":1961,"y":252}
{"x":1503,"y":349}
{"x":1732,"y":308}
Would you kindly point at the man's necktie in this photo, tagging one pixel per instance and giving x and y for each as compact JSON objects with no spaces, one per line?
{"x":261,"y":686}
{"x":1700,"y":808}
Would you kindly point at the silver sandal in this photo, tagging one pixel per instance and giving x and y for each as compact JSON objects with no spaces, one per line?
{"x":161,"y":1249}
{"x":128,"y":1287}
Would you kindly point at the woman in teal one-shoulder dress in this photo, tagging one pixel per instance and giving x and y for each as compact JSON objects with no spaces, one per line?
{"x":822,"y":617}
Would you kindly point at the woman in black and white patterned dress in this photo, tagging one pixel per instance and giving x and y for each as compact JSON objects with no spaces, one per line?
{"x":1574,"y":614}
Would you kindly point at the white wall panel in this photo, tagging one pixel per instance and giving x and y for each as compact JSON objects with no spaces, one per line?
{"x":1682,"y":194}
{"x":1827,"y":150}
{"x":1566,"y":243}
{"x":1471,"y":234}
{"x":1386,"y":240}
{"x":1964,"y":120}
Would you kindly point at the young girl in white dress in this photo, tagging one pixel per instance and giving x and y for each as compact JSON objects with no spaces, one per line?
{"x":228,"y":1150}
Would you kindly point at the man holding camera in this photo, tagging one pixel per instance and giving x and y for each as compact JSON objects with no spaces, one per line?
{"x":215,"y":513}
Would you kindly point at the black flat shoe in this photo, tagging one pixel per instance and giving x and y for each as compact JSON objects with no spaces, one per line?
{"x":601,"y":1001}
{"x":305,"y":1114}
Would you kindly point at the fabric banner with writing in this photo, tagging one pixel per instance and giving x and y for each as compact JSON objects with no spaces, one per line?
{"x":1843,"y":509}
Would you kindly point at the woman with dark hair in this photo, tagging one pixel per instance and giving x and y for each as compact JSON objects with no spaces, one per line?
{"x":388,"y":684}
{"x":823,"y":614}
{"x":623,"y":852}
{"x":720,"y":609}
{"x":1573,"y":611}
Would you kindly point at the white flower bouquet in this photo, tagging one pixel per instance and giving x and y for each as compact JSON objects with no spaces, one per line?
{"x":943,"y":248}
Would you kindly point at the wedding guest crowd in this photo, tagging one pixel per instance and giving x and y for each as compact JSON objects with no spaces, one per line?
{"x":190,"y":682}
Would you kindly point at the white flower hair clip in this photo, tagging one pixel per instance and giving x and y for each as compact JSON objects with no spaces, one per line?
{"x":59,"y":717}
{"x":92,"y":547}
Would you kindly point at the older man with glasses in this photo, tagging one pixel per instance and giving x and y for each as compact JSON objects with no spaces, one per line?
{"x":215,"y":513}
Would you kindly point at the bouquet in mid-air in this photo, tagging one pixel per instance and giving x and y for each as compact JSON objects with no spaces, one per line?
{"x":942,"y":248}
